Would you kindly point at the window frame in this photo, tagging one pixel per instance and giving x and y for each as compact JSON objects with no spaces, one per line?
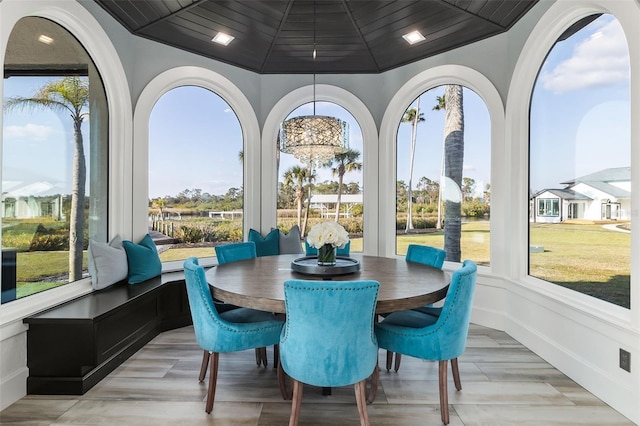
{"x":422,"y":82}
{"x":543,"y":208}
{"x":231,"y":94}
{"x":269,"y":178}
{"x":83,"y":26}
{"x":533,"y":54}
{"x":176,"y":265}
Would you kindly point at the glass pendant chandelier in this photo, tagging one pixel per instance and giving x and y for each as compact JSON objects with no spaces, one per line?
{"x":314,"y":139}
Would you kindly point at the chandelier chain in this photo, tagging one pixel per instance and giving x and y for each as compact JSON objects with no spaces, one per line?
{"x":314,"y":139}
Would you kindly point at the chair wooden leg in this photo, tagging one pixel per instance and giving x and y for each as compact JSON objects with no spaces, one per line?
{"x":444,"y":396}
{"x":276,"y":355}
{"x":213,"y":379}
{"x":258,"y":357}
{"x":373,"y":389}
{"x":265,"y":360}
{"x":396,"y":366}
{"x":389,"y":359}
{"x":456,"y":374}
{"x":361,"y":401}
{"x":203,"y":367}
{"x":297,"y":402}
{"x":282,"y":382}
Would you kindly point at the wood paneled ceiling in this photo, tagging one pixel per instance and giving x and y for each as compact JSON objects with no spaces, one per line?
{"x":351,"y":36}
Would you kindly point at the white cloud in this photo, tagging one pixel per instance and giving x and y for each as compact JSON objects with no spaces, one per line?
{"x":29,"y":131}
{"x":599,"y":60}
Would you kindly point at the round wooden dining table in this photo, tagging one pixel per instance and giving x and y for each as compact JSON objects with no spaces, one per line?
{"x":258,"y":283}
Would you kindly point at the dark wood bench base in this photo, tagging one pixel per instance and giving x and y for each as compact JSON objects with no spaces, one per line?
{"x":71,"y":347}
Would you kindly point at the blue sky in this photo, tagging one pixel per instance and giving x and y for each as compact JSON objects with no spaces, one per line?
{"x":580,"y":121}
{"x":580,"y":124}
{"x":43,"y":137}
{"x":430,"y":135}
{"x":194,"y":134}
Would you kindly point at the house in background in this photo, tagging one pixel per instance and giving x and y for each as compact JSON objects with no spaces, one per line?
{"x":30,"y":200}
{"x":603,"y":195}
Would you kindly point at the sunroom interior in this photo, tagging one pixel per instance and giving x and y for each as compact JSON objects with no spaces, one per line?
{"x":579,"y":334}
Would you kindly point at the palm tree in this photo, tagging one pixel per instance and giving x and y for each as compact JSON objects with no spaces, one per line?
{"x":440,"y":105}
{"x":311,"y":177}
{"x":413,"y":116}
{"x":160,"y":204}
{"x":346,"y":161}
{"x":68,"y":95}
{"x":454,"y":159}
{"x":296,"y":176}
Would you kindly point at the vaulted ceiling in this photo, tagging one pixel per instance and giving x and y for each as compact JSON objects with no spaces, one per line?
{"x":351,"y":36}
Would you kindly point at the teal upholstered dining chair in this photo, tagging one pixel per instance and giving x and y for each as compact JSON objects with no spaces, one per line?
{"x":324,"y":344}
{"x":235,"y":330}
{"x":235,"y":251}
{"x":226,"y":253}
{"x":437,"y":338}
{"x":312,"y":251}
{"x":426,"y":255}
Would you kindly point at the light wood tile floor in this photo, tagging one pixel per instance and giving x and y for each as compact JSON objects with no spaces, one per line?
{"x":503,"y":383}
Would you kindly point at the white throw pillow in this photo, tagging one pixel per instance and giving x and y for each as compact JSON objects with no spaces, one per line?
{"x":107,"y":263}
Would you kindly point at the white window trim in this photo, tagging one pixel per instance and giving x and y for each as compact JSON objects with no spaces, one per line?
{"x":557,"y":19}
{"x":350,"y":102}
{"x":79,"y":22}
{"x":223,"y":87}
{"x":434,"y":77}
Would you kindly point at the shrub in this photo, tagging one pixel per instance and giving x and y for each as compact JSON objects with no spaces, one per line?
{"x":353,"y":225}
{"x":49,"y":240}
{"x":418,"y":222}
{"x":227,"y":231}
{"x":424,"y":223}
{"x":191,"y":234}
{"x":475,"y":208}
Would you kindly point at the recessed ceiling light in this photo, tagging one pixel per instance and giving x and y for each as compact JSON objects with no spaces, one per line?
{"x":413,"y":37}
{"x":222,"y":38}
{"x":45,"y":39}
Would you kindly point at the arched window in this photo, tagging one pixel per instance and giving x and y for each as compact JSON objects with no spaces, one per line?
{"x":55,"y":159}
{"x":443,"y":170}
{"x":579,"y":163}
{"x":316,"y":192}
{"x":196,"y":183}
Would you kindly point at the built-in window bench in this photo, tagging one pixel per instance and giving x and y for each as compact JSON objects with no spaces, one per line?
{"x":71,"y":347}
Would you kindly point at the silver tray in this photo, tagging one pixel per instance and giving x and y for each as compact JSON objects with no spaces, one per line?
{"x":309,"y":265}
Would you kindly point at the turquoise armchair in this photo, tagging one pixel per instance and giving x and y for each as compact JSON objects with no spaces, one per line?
{"x":312,"y":251}
{"x":235,"y":251}
{"x":440,"y":338}
{"x":426,"y":255}
{"x":226,"y":253}
{"x":235,"y":330}
{"x":324,"y":344}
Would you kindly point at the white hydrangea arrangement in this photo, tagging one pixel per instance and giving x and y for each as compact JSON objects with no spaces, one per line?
{"x":327,"y":233}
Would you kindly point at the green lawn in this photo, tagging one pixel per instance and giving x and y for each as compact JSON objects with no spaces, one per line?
{"x":183,"y":253}
{"x":42,"y":270}
{"x":474,"y":241}
{"x":587,"y":258}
